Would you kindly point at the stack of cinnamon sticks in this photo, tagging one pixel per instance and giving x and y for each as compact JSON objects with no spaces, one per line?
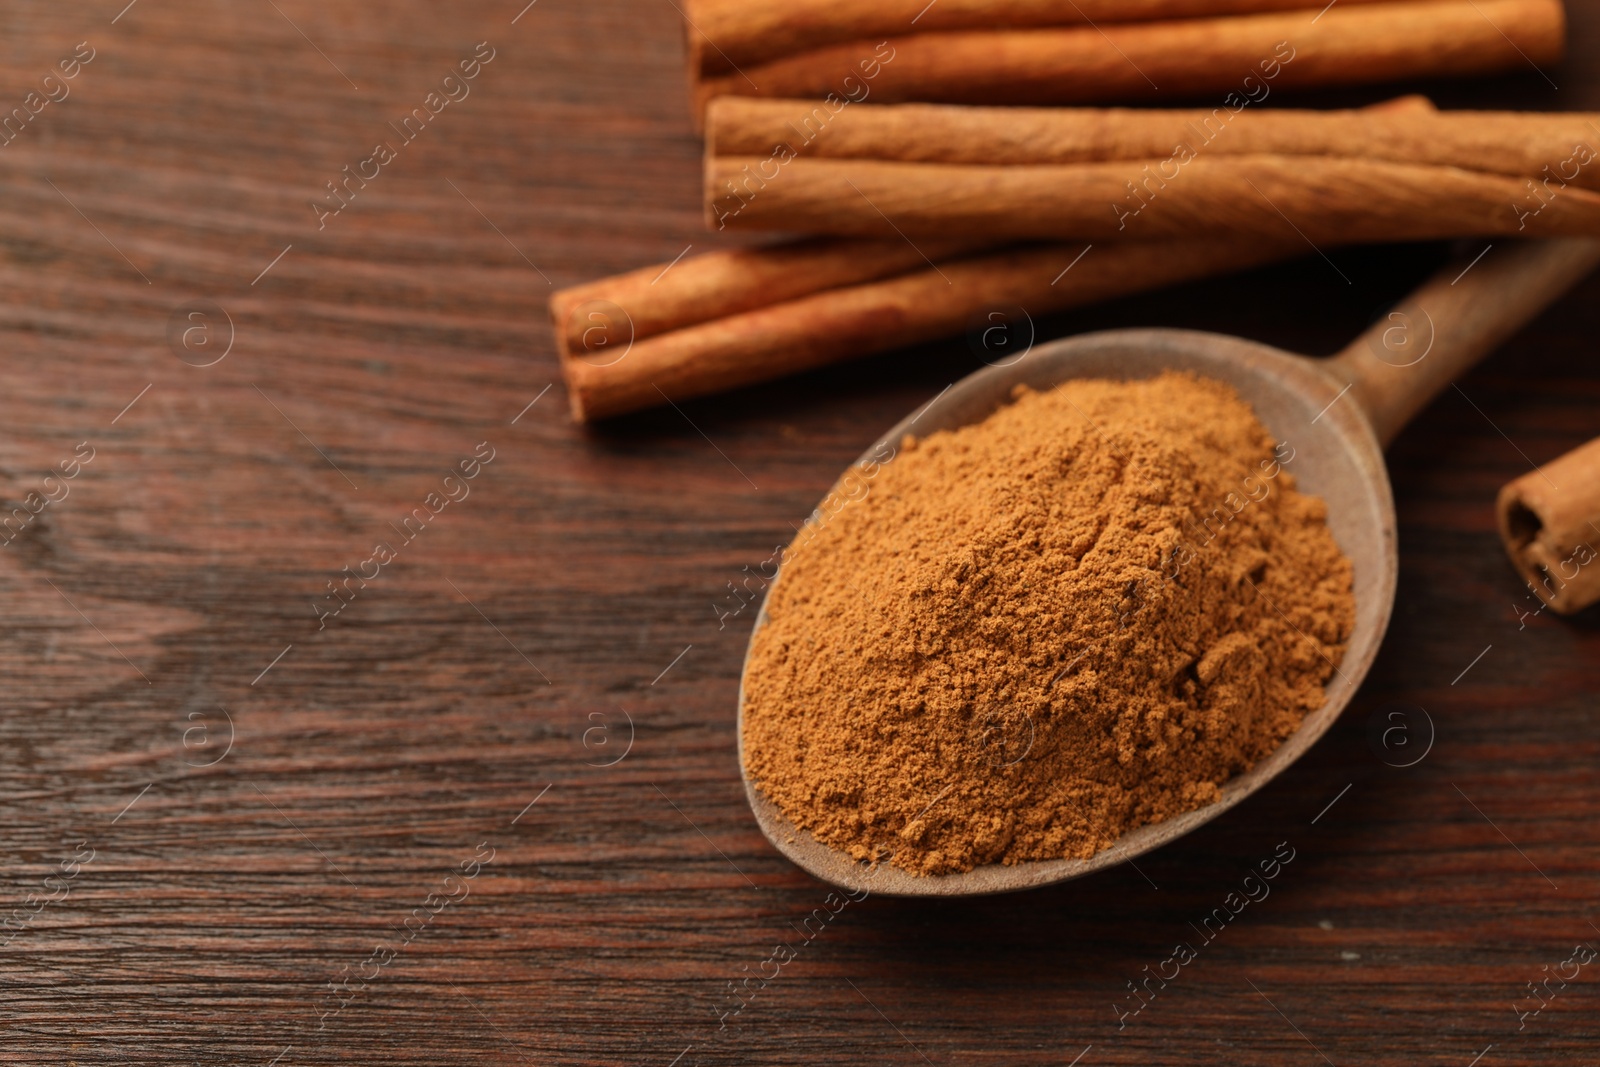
{"x":935,"y":213}
{"x":715,"y":323}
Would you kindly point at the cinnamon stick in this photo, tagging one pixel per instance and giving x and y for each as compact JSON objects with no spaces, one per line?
{"x":1550,"y":524}
{"x":723,"y":34}
{"x":859,"y":320}
{"x":596,"y":319}
{"x":1343,"y":45}
{"x":1525,"y":144}
{"x":1323,"y":199}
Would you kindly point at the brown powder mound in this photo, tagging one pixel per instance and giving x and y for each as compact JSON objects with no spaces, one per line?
{"x":1037,"y":633}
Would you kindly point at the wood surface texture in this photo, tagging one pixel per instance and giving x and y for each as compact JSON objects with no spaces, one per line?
{"x":209,"y":900}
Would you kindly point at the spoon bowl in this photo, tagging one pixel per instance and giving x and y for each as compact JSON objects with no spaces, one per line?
{"x":1336,"y":457}
{"x":1336,"y":414}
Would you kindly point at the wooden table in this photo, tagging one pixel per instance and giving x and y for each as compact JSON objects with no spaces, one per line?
{"x":420,"y":829}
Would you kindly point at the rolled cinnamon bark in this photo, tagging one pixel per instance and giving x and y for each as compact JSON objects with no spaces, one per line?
{"x":594,"y":319}
{"x":859,"y":320}
{"x":726,"y":33}
{"x":667,"y":297}
{"x":1323,"y":199}
{"x":1341,"y":45}
{"x":1550,"y":523}
{"x":1523,"y":144}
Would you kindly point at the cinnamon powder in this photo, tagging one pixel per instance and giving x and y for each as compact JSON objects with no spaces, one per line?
{"x":1038,"y":632}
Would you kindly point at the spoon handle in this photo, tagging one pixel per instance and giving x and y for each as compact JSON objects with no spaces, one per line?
{"x":1455,"y":319}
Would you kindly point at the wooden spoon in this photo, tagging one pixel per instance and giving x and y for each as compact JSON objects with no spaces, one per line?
{"x":1338,"y":413}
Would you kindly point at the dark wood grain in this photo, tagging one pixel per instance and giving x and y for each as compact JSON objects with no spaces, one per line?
{"x":227,"y":891}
